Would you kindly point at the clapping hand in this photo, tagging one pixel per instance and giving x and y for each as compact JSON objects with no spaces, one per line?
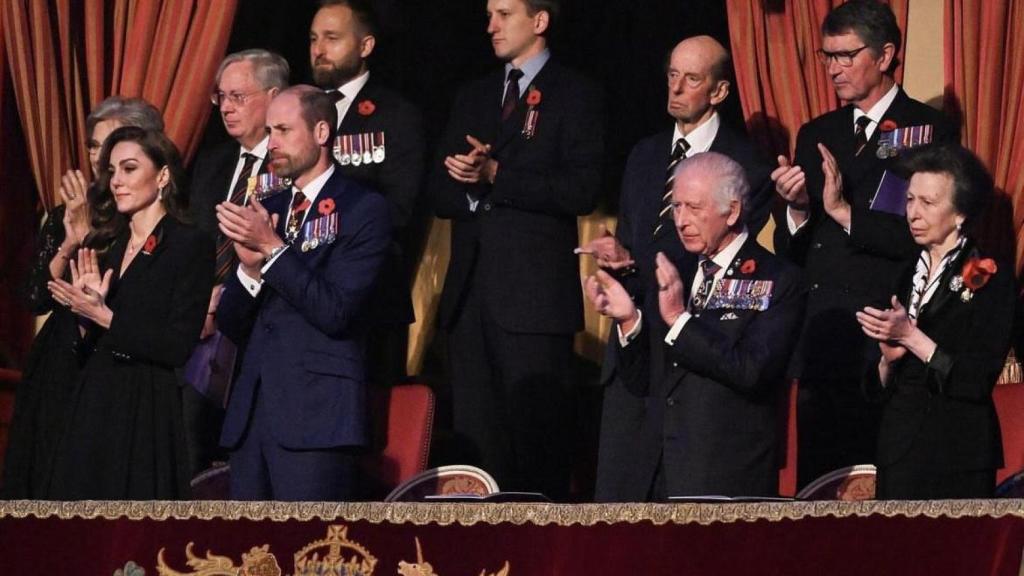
{"x":889,"y":327}
{"x":474,"y":166}
{"x":86,"y":294}
{"x":671,"y":303}
{"x":832,"y":193}
{"x":74,"y":190}
{"x":610,"y":299}
{"x":607,"y":251}
{"x":251,"y":228}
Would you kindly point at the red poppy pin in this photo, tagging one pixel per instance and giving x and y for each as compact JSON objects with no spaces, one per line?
{"x":366,"y":107}
{"x":887,"y":125}
{"x":325,"y":206}
{"x":748,"y":266}
{"x":533,"y":97}
{"x":973,"y":277}
{"x":150,"y":244}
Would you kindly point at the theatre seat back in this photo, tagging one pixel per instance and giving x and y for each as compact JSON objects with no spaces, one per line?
{"x":409,"y":410}
{"x":1009,"y":401}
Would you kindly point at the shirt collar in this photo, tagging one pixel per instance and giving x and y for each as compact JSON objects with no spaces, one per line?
{"x":351,"y":88}
{"x":530,"y":68}
{"x":312,"y":190}
{"x":259,"y":151}
{"x":700,"y":138}
{"x":876,"y":112}
{"x":725,"y":257}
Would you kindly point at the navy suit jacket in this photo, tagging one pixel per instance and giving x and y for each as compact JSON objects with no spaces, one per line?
{"x":399,"y":178}
{"x":519,"y":242}
{"x":707,"y":405}
{"x":643,"y":185}
{"x":306,"y":327}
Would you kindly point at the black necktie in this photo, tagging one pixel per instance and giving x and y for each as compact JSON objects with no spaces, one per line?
{"x":860,"y":132}
{"x":508,"y":105}
{"x":678,"y":153}
{"x":336,"y":95}
{"x":226,"y":257}
{"x":700,"y":297}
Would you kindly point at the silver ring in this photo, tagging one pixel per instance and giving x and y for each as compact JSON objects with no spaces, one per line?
{"x":662,"y":287}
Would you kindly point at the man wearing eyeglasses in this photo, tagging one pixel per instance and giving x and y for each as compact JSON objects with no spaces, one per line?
{"x":850,"y":251}
{"x":244,"y":85}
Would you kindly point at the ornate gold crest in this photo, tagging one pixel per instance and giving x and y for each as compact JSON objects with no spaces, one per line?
{"x":334,"y":555}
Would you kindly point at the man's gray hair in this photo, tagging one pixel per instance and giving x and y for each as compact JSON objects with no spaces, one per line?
{"x":271,"y":69}
{"x":126,"y":112}
{"x":729,"y":177}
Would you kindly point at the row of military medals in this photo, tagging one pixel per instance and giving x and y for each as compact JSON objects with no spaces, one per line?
{"x":892,"y":141}
{"x":322,"y":230}
{"x":263,"y":186}
{"x":356,"y":149}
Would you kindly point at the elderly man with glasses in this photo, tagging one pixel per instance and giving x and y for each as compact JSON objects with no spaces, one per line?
{"x":243,"y":87}
{"x":850,"y":246}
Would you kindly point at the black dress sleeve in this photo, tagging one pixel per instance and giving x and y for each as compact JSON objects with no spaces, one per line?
{"x":50,"y":238}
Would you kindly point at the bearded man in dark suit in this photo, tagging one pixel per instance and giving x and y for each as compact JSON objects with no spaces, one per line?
{"x":850,"y":251}
{"x":709,"y":384}
{"x":379,"y":143}
{"x":245,"y":83}
{"x":520,"y":161}
{"x":308,"y":264}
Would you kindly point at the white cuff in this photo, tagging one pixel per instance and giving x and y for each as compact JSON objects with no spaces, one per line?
{"x":251,"y":285}
{"x":625,"y":339}
{"x":791,"y":224}
{"x":673,"y":333}
{"x":273,"y":258}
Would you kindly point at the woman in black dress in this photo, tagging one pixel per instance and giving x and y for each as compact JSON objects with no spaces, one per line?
{"x":943,"y":341}
{"x":52,"y":368}
{"x":143,"y":312}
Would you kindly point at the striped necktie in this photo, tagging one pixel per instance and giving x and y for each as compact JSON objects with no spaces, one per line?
{"x":861,"y":133}
{"x":678,"y":153}
{"x":226,"y":258}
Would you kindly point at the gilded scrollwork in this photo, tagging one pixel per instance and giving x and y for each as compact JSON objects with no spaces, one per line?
{"x":519,"y":514}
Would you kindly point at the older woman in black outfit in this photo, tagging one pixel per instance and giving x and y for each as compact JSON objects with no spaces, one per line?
{"x":143,"y":311}
{"x":53,"y":365}
{"x":943,"y":341}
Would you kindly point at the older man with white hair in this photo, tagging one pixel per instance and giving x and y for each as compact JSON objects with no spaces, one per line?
{"x":710,"y":387}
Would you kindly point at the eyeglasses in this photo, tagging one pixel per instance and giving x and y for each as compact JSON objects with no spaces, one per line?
{"x":842,"y":57}
{"x":236,"y":98}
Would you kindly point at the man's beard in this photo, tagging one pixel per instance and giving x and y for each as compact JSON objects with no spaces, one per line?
{"x":292,"y":166}
{"x":334,"y":75}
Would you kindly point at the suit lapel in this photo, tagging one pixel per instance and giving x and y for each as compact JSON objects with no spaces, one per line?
{"x":156,"y":241}
{"x":943,"y":294}
{"x":511,"y":128}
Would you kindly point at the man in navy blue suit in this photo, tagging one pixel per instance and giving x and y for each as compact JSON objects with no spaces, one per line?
{"x":308,"y":264}
{"x":698,"y":83}
{"x":705,"y":389}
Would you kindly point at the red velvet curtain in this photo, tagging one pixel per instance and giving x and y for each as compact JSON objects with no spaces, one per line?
{"x":984,"y":75}
{"x":65,"y":56}
{"x":781,"y":84}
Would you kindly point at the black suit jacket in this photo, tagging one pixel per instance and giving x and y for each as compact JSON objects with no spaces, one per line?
{"x":522,"y":234}
{"x":941,"y":413}
{"x":399,"y":178}
{"x":845,"y":272}
{"x":710,"y":411}
{"x":643,"y":185}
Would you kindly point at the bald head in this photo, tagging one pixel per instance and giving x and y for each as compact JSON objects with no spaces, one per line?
{"x":697,"y":81}
{"x":709,"y":51}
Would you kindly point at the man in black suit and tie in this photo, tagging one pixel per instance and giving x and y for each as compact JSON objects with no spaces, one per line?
{"x":710,"y":383}
{"x":850,"y":252}
{"x":245,"y":83}
{"x":520,"y":161}
{"x":697,"y":72}
{"x":380,"y":143}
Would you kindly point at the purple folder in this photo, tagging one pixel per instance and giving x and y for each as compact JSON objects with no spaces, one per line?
{"x":891,"y":196}
{"x":211,"y":366}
